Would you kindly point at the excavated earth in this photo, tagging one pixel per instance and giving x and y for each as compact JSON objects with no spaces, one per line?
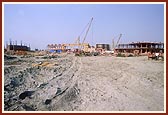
{"x":97,"y":83}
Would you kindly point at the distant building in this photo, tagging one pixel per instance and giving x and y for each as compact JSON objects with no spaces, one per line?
{"x":103,"y":46}
{"x":36,"y":49}
{"x":17,"y":48}
{"x":65,"y":47}
{"x":141,"y":47}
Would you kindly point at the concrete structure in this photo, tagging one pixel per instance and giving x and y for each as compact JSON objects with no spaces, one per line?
{"x":141,"y":47}
{"x":103,"y":46}
{"x":17,"y":48}
{"x":65,"y":47}
{"x":14,"y":47}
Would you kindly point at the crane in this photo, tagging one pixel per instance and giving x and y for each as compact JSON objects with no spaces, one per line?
{"x":118,"y":40}
{"x":114,"y":46}
{"x":83,"y":46}
{"x":78,"y":39}
{"x":87,"y":30}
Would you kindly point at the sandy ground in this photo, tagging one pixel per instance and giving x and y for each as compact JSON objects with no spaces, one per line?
{"x":96,"y":83}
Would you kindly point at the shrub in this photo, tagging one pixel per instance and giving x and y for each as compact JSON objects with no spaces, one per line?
{"x":120,"y":55}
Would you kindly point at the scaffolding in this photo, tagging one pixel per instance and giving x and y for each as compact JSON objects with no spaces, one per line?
{"x":141,"y":47}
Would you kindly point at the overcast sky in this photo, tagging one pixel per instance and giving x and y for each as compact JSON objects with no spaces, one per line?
{"x":39,"y":25}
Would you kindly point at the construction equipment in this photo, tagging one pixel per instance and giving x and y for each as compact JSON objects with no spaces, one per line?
{"x":83,"y":47}
{"x":115,"y":45}
{"x":80,"y":46}
{"x":87,"y":30}
{"x":118,"y":40}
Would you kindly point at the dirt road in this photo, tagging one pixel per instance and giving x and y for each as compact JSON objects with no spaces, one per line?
{"x":121,"y":84}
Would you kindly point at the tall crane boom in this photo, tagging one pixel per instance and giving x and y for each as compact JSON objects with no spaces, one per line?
{"x":118,"y":40}
{"x":87,"y":30}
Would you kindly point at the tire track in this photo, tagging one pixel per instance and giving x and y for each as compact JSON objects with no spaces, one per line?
{"x":71,"y":91}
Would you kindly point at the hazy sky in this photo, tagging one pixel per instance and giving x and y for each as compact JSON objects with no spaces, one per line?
{"x":39,"y":25}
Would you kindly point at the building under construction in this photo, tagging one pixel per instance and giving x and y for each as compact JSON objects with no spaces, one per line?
{"x":140,"y":47}
{"x":102,"y":46}
{"x":65,"y":47}
{"x":15,"y":47}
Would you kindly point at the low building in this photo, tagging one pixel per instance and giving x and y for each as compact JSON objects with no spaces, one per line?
{"x":103,"y":46}
{"x":140,"y":47}
{"x":66,"y":47}
{"x":17,"y":48}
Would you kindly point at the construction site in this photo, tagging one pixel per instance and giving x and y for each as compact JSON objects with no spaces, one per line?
{"x":81,"y":77}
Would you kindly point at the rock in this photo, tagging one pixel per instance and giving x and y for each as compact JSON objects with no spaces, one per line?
{"x":25,"y":94}
{"x":16,"y":81}
{"x":6,"y":57}
{"x":58,"y":91}
{"x":48,"y":101}
{"x":28,"y":108}
{"x":43,"y":85}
